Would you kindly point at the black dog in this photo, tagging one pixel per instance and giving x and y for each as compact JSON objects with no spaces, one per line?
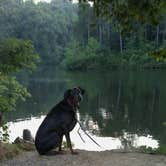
{"x":58,"y":122}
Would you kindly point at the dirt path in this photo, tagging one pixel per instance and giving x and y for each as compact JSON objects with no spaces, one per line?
{"x":85,"y":158}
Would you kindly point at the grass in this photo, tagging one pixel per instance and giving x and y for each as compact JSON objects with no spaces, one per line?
{"x":161,"y":150}
{"x":8,"y":151}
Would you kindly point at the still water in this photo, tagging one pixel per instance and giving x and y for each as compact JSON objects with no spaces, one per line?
{"x":121,"y":109}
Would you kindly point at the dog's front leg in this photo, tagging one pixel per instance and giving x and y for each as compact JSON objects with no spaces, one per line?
{"x":60,"y":151}
{"x":67,"y":135}
{"x":60,"y":143}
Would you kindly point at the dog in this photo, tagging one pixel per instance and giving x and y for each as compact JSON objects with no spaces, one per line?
{"x":58,"y":122}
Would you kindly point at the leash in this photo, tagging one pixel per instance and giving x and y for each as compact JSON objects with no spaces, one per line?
{"x":86,"y":134}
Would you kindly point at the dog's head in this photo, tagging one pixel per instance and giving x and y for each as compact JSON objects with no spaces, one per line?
{"x":74,"y":96}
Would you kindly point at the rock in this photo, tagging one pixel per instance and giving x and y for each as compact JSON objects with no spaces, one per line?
{"x":18,"y":140}
{"x":23,"y":144}
{"x":27,"y":136}
{"x":27,"y":143}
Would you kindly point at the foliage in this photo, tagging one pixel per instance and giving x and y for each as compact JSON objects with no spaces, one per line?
{"x":5,"y":133}
{"x":124,"y":13}
{"x":48,"y":25}
{"x":164,"y":124}
{"x":160,"y":150}
{"x":79,"y":56}
{"x":10,"y":92}
{"x":82,"y":57}
{"x":137,"y":51}
{"x":160,"y":53}
{"x":16,"y":55}
{"x":119,"y":50}
{"x":55,"y":24}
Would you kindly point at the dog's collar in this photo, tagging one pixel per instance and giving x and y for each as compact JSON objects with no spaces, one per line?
{"x":71,"y":104}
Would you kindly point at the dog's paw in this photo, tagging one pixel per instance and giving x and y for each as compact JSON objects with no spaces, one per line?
{"x":62,"y":152}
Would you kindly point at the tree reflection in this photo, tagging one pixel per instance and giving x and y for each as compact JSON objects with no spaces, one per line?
{"x":119,"y":101}
{"x":115,"y":101}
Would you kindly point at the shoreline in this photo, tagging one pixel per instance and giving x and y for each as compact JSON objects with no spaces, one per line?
{"x":87,"y":158}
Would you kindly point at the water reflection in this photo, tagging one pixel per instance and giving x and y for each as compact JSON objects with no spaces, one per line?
{"x":107,"y":143}
{"x":120,"y":106}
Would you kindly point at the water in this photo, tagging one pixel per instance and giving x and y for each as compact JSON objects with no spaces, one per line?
{"x":121,"y":109}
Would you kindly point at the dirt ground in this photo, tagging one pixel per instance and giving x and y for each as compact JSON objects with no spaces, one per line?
{"x":87,"y":158}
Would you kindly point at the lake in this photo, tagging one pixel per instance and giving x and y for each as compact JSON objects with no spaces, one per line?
{"x":121,"y":109}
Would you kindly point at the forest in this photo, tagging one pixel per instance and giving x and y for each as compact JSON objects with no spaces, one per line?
{"x":72,"y":36}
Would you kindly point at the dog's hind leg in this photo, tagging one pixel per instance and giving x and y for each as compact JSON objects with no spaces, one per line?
{"x":47,"y":143}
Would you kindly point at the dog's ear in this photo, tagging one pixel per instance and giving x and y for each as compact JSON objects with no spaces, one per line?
{"x":67,"y":94}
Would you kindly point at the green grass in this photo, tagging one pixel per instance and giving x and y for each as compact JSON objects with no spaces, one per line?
{"x":161,"y":150}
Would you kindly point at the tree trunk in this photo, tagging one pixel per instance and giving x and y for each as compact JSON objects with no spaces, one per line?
{"x":164,"y":31}
{"x":157,"y":36}
{"x":119,"y":95}
{"x":100,"y":31}
{"x":121,"y":42}
{"x":110,"y":29}
{"x":145,"y":33}
{"x":88,"y":34}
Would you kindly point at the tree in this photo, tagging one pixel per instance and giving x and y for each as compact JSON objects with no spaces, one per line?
{"x":48,"y":25}
{"x":127,"y":12}
{"x":80,"y":56}
{"x":15,"y":55}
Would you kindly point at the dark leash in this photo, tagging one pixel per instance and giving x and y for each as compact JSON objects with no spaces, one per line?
{"x":81,"y":127}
